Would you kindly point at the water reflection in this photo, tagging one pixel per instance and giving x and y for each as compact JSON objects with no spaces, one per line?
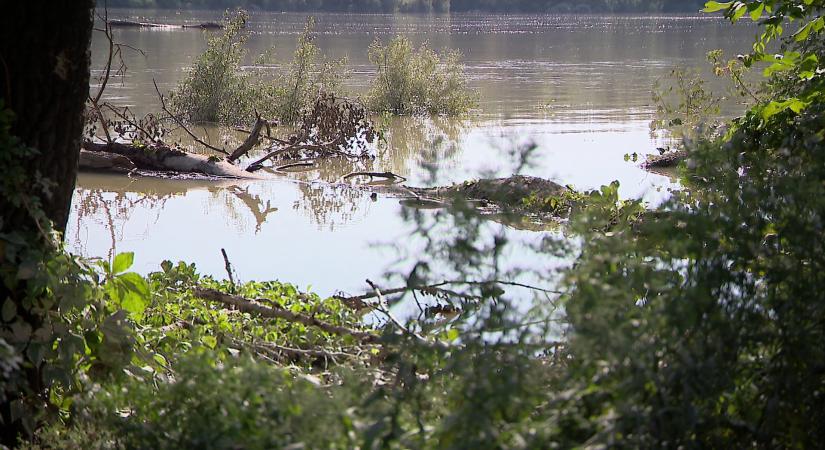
{"x":576,"y":87}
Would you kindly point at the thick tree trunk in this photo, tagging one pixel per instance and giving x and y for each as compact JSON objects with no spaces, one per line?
{"x":44,"y":79}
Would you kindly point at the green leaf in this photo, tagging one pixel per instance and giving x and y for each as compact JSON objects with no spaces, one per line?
{"x":122,"y":262}
{"x":773,"y":108}
{"x":9,"y":310}
{"x":740,"y":11}
{"x":712,"y":7}
{"x":135,"y":283}
{"x":209,"y":341}
{"x":134,"y":294}
{"x":756,"y":11}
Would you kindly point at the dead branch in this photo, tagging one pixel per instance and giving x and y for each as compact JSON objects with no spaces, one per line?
{"x":228,"y":267}
{"x":181,"y":124}
{"x":325,"y":147}
{"x":383,"y":308}
{"x":298,"y":164}
{"x":266,"y":136}
{"x":358,"y":301}
{"x":387,"y":175}
{"x":250,"y":141}
{"x":255,"y":306}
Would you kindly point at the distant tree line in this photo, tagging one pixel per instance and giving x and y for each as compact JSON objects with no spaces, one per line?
{"x":562,"y":6}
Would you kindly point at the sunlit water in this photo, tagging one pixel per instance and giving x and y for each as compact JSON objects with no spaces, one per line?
{"x":576,"y":87}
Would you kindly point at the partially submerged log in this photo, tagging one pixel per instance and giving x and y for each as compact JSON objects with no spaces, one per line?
{"x":120,"y":23}
{"x":164,"y":158}
{"x":669,"y":159}
{"x":104,"y":161}
{"x":507,"y":193}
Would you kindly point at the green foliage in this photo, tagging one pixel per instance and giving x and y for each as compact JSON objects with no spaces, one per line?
{"x":212,"y":405}
{"x":56,"y":315}
{"x":176,"y":321}
{"x":215,"y":90}
{"x":698,"y":324}
{"x":414,"y":81}
{"x":218,"y":90}
{"x":701,"y":328}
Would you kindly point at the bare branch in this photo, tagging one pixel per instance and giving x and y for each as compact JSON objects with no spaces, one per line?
{"x":255,"y":306}
{"x":251,"y":140}
{"x":387,"y":175}
{"x":180,"y":122}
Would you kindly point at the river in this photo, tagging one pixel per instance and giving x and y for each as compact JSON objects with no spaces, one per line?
{"x":577,"y":88}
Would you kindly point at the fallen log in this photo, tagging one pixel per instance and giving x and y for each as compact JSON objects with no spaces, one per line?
{"x":165,"y":158}
{"x":106,"y":162}
{"x":120,"y":23}
{"x":503,"y":194}
{"x":257,"y":307}
{"x":389,"y":176}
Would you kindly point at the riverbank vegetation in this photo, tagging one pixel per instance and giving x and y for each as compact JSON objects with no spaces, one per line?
{"x":700,"y":326}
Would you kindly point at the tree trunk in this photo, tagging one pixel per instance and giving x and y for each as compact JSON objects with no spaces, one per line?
{"x":44,"y":79}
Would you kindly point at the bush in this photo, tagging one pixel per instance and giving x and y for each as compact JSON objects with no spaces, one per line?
{"x":215,"y":90}
{"x":414,"y":81}
{"x":218,"y":90}
{"x":236,"y":404}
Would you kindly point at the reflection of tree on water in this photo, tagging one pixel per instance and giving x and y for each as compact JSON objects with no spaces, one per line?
{"x":332,"y":204}
{"x":411,"y":142}
{"x":257,"y":207}
{"x":417,"y":141}
{"x":115,"y":206}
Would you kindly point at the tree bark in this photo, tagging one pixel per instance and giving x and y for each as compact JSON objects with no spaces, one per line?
{"x":44,"y":79}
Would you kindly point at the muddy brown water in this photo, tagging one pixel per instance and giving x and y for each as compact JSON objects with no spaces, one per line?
{"x":576,"y":88}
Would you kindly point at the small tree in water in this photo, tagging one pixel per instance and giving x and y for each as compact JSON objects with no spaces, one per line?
{"x":414,"y":81}
{"x":218,"y":90}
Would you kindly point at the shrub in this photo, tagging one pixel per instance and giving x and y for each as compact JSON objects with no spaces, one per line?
{"x":218,"y":90}
{"x":215,"y":90}
{"x":414,"y":81}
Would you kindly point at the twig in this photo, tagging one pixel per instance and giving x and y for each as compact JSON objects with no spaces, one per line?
{"x":385,"y":310}
{"x":255,"y":306}
{"x":228,"y":267}
{"x":125,"y":117}
{"x":180,"y":122}
{"x":437,"y":287}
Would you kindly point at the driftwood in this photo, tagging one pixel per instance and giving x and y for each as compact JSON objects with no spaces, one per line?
{"x":257,"y":307}
{"x":168,"y":159}
{"x":118,"y":23}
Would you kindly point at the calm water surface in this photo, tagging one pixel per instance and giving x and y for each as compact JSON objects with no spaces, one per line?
{"x":576,"y":87}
